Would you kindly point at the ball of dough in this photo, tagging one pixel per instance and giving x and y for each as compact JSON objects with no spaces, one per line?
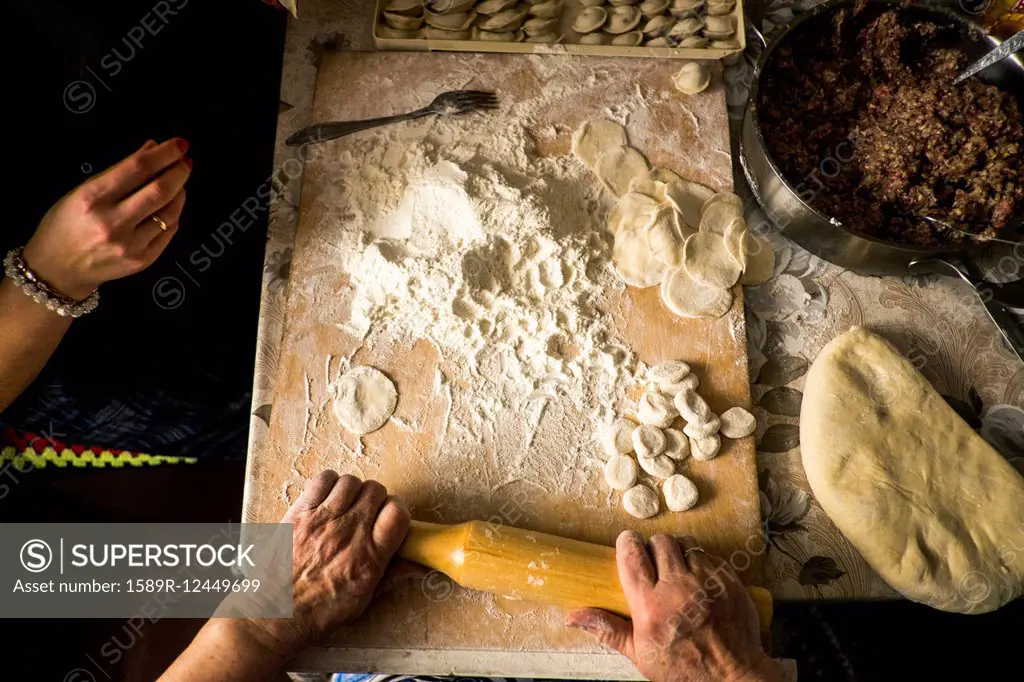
{"x":659,"y":467}
{"x":690,"y":381}
{"x":677,"y":446}
{"x":616,"y":438}
{"x":364,"y":399}
{"x":703,"y":429}
{"x":930,"y":505}
{"x":706,"y":448}
{"x":737,"y":423}
{"x":620,"y":472}
{"x":670,"y":372}
{"x":648,"y":441}
{"x":692,"y":407}
{"x":680,"y":493}
{"x":656,"y":409}
{"x":641,"y":502}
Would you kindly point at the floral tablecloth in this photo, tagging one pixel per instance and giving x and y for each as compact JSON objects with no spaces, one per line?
{"x":935,"y":321}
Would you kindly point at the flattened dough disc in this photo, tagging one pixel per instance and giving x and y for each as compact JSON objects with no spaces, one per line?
{"x":618,"y":166}
{"x":929,"y":504}
{"x":597,"y":137}
{"x":364,"y":399}
{"x":688,"y":298}
{"x":706,"y":259}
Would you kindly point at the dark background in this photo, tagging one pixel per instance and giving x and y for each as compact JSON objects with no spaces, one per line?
{"x":212,"y":75}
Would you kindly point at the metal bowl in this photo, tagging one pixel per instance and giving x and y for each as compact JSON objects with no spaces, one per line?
{"x":823,"y":235}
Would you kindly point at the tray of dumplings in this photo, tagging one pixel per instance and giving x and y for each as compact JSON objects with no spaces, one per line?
{"x":683,"y":29}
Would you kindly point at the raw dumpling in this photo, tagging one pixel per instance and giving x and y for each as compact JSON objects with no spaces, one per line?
{"x":692,"y":78}
{"x":590,"y":19}
{"x":622,"y":19}
{"x":595,"y":138}
{"x":364,"y":399}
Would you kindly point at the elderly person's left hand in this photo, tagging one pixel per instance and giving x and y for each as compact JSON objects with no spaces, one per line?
{"x":346,"y":533}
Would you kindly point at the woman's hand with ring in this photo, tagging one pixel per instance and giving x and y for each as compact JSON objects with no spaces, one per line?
{"x":103,"y":229}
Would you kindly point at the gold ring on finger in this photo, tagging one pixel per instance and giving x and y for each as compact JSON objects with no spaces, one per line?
{"x":159,"y":221}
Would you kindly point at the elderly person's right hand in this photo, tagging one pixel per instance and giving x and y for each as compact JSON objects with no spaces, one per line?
{"x":112,"y":225}
{"x":692,"y":619}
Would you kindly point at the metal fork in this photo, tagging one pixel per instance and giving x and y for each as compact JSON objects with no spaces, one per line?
{"x":446,"y":104}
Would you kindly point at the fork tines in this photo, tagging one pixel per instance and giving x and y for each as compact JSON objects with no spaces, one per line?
{"x":476,"y":99}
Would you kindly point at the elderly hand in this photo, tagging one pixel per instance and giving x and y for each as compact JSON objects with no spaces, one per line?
{"x":103,"y":229}
{"x":692,"y":619}
{"x":345,"y":533}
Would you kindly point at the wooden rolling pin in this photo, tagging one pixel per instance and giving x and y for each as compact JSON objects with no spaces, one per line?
{"x":521,"y":564}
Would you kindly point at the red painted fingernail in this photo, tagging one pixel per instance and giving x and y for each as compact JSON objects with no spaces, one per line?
{"x":182,"y":144}
{"x":188,"y":162}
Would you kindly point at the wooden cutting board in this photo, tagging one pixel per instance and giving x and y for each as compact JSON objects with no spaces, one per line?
{"x":431,"y":628}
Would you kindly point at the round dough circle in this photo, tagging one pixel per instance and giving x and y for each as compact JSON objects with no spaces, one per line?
{"x":680,"y":493}
{"x":677,"y":445}
{"x":760,"y":262}
{"x":620,"y":472}
{"x":648,"y":441}
{"x":706,"y":259}
{"x":631,"y":209}
{"x":659,"y":467}
{"x":364,"y":399}
{"x":617,"y":167}
{"x":635,"y":263}
{"x":616,"y":438}
{"x":737,"y":423}
{"x":640,"y":501}
{"x":687,"y":297}
{"x":597,"y":137}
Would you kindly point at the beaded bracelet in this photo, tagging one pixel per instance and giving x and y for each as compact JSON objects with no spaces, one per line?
{"x":18,"y":271}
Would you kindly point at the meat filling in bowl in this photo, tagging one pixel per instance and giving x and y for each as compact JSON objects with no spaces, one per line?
{"x":864,"y":121}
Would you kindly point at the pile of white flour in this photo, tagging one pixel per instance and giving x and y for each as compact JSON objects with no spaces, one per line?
{"x":464,"y":236}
